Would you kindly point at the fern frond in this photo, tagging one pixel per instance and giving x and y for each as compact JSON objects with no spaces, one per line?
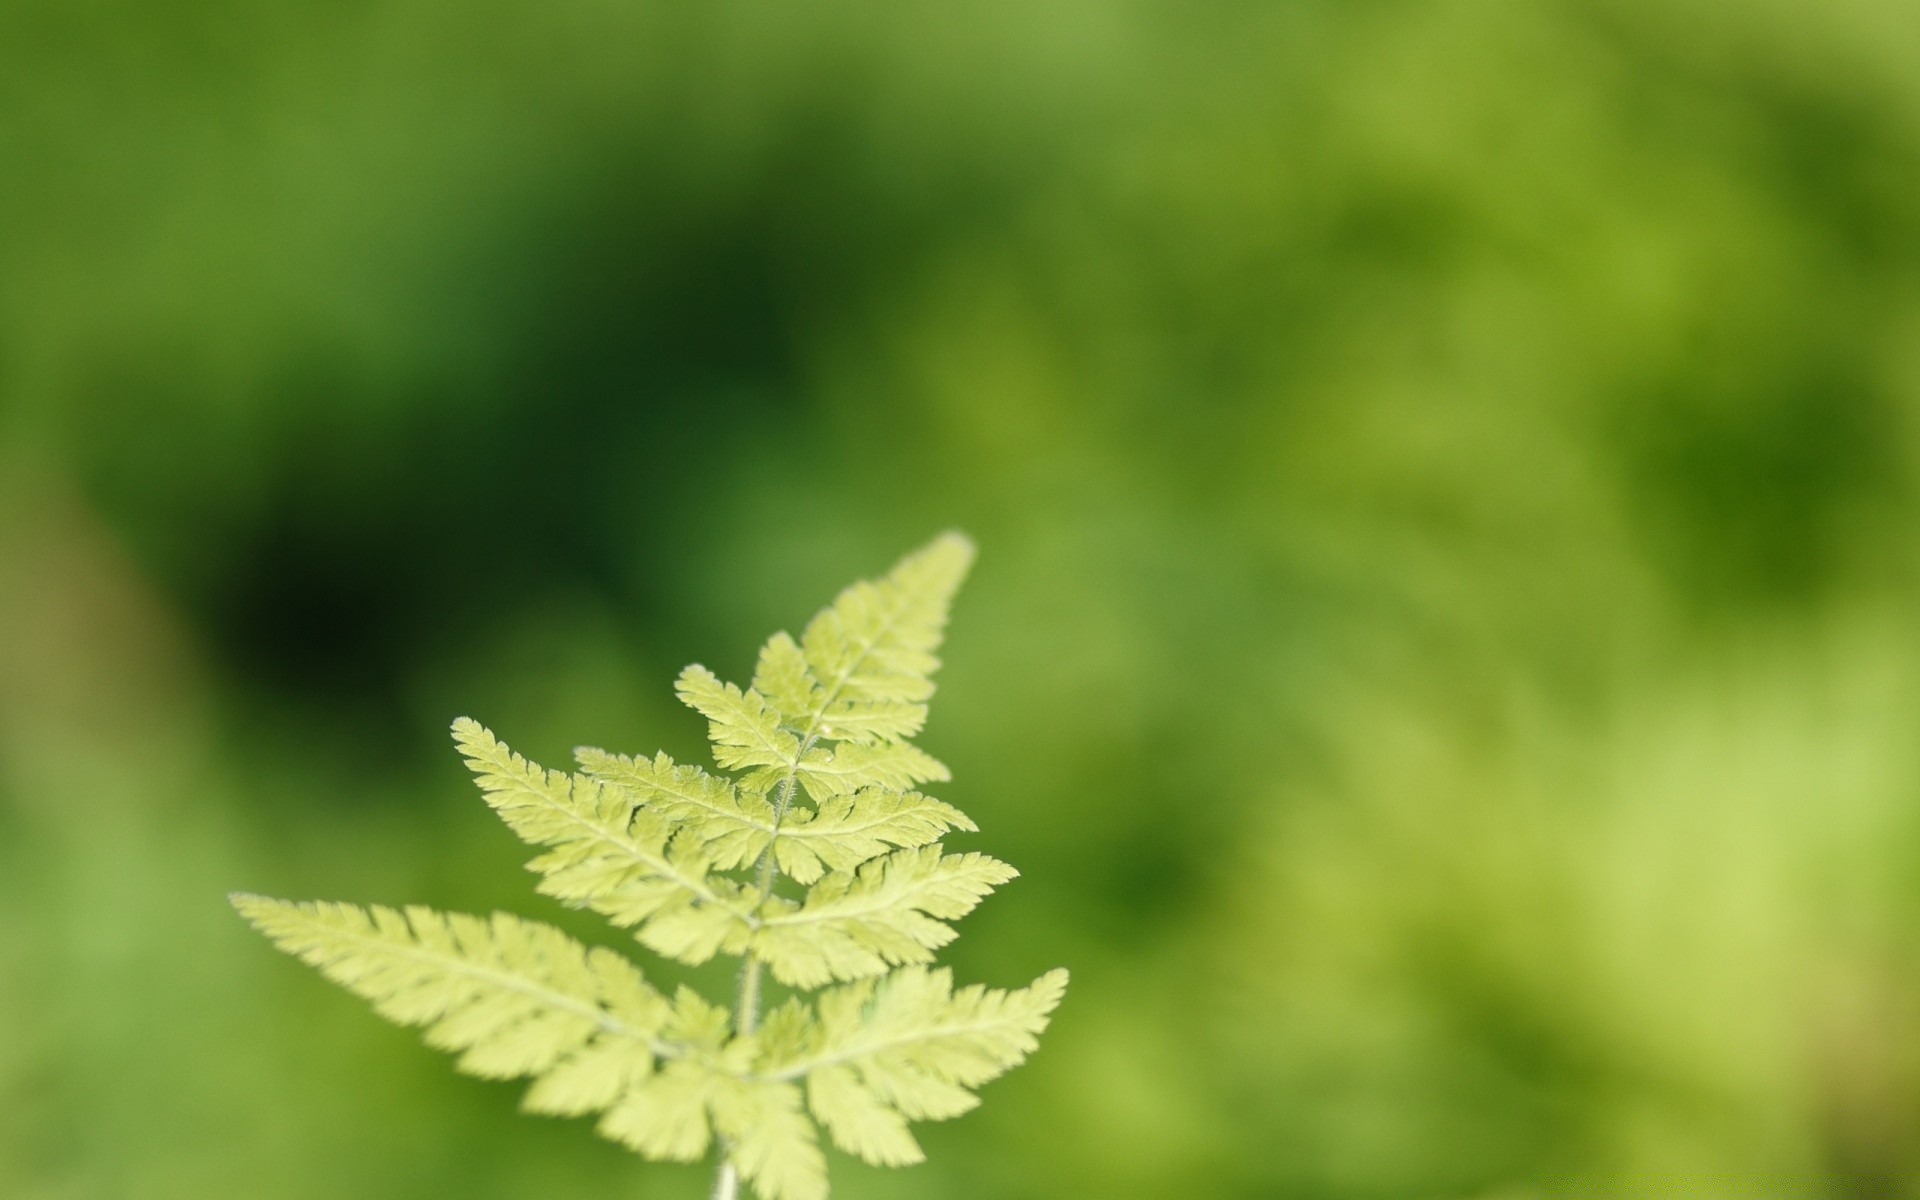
{"x":872,"y":651}
{"x":816,"y":781}
{"x":513,"y":997}
{"x":610,"y":855}
{"x":909,"y":1047}
{"x":889,"y":911}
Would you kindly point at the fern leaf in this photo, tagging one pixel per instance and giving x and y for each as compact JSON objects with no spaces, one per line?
{"x":889,"y":911}
{"x":771,"y":1139}
{"x":784,"y":678}
{"x":860,"y":1122}
{"x":909,"y":1047}
{"x":514,"y":997}
{"x":734,"y":828}
{"x":730,"y":826}
{"x":848,"y":830}
{"x":746,"y":731}
{"x":666,"y":1116}
{"x":591,"y":1079}
{"x":872,"y":651}
{"x":711,"y":1090}
{"x":610,"y":855}
{"x":856,"y":765}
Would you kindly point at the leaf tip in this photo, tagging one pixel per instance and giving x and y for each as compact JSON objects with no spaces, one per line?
{"x":255,"y":909}
{"x":1050,"y":987}
{"x":955,"y":542}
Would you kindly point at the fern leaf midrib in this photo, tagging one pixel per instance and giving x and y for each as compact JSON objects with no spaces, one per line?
{"x":833,"y":770}
{"x":807,"y":737}
{"x":875,"y":905}
{"x":788,"y":786}
{"x":800,"y":1069}
{"x":808,"y":831}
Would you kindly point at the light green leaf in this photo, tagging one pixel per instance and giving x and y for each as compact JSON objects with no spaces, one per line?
{"x":891,"y":910}
{"x":909,"y":1047}
{"x":855,"y":765}
{"x":730,"y":827}
{"x":770,"y":1138}
{"x":784,"y":678}
{"x":848,"y":830}
{"x":872,"y":650}
{"x":745,"y":730}
{"x":860,"y":1123}
{"x":591,"y":1079}
{"x":610,"y":855}
{"x":733,"y":828}
{"x":514,"y":997}
{"x":666,"y":1116}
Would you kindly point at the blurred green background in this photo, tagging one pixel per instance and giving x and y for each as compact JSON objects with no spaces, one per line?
{"x":1446,"y":648}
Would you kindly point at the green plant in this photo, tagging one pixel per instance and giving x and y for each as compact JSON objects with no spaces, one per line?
{"x":820,"y":793}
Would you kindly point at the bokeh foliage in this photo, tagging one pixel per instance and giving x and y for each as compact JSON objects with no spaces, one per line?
{"x":1446,"y":651}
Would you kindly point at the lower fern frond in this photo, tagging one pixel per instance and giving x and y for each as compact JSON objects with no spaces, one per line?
{"x":513,"y":997}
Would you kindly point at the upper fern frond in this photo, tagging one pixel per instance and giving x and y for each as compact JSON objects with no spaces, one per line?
{"x":872,"y":651}
{"x":817,"y":782}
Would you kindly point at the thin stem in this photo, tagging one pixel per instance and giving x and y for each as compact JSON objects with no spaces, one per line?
{"x":746,"y":1005}
{"x":746,"y":1008}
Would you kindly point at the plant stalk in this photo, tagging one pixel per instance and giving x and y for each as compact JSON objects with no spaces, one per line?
{"x":746,"y":1005}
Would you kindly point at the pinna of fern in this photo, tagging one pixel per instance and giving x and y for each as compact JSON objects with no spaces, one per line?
{"x":811,"y":855}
